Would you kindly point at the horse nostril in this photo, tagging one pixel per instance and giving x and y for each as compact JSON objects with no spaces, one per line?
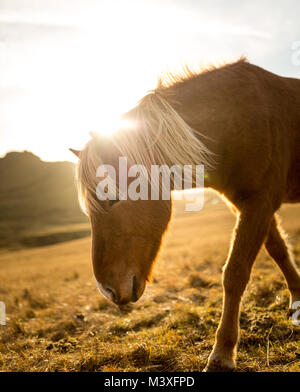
{"x":134,"y":297}
{"x":111,"y":292}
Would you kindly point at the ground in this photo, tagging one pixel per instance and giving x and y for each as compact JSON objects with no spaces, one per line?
{"x":58,"y":321}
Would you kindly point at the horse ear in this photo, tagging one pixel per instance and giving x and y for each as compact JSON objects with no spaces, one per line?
{"x":75,"y":152}
{"x":94,"y":135}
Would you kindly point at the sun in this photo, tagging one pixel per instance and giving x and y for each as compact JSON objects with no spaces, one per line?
{"x":115,"y":125}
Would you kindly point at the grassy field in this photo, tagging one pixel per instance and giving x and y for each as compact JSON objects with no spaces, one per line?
{"x":58,"y":321}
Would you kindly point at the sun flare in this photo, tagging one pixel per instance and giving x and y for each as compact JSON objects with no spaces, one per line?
{"x":114,"y":125}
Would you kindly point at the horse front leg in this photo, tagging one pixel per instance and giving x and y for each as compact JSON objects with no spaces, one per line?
{"x":250,"y":232}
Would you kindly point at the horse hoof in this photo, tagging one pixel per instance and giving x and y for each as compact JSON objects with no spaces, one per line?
{"x":218,"y":365}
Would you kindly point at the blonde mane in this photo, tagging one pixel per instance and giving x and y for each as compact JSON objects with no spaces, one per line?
{"x":158,"y":135}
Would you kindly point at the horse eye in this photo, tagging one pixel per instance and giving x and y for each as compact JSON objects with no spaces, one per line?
{"x":112,"y":202}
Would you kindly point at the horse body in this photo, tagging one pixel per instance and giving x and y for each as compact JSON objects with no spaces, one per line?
{"x":293,"y":177}
{"x":249,"y":119}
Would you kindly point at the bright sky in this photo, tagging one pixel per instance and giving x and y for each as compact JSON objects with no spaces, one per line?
{"x":68,"y":67}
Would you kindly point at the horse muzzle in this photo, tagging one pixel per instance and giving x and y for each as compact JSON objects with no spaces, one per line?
{"x":130,"y":291}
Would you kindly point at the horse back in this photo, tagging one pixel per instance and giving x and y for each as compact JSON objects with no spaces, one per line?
{"x":250,"y":118}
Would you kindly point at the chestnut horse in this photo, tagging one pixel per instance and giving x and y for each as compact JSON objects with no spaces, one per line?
{"x":243,"y":123}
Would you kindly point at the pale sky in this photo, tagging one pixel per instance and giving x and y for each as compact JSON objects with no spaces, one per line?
{"x":68,"y":67}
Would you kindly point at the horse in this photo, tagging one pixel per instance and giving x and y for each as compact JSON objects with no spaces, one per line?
{"x":243,"y":124}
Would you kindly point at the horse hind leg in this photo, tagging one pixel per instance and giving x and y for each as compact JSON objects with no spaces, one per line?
{"x":279,"y":250}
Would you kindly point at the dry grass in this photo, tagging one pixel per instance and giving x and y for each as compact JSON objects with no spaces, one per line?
{"x":57,"y":320}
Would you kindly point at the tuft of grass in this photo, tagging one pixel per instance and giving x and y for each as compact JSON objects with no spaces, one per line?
{"x":197,"y":281}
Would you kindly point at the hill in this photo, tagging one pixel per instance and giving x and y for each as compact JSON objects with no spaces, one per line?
{"x":38,"y":202}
